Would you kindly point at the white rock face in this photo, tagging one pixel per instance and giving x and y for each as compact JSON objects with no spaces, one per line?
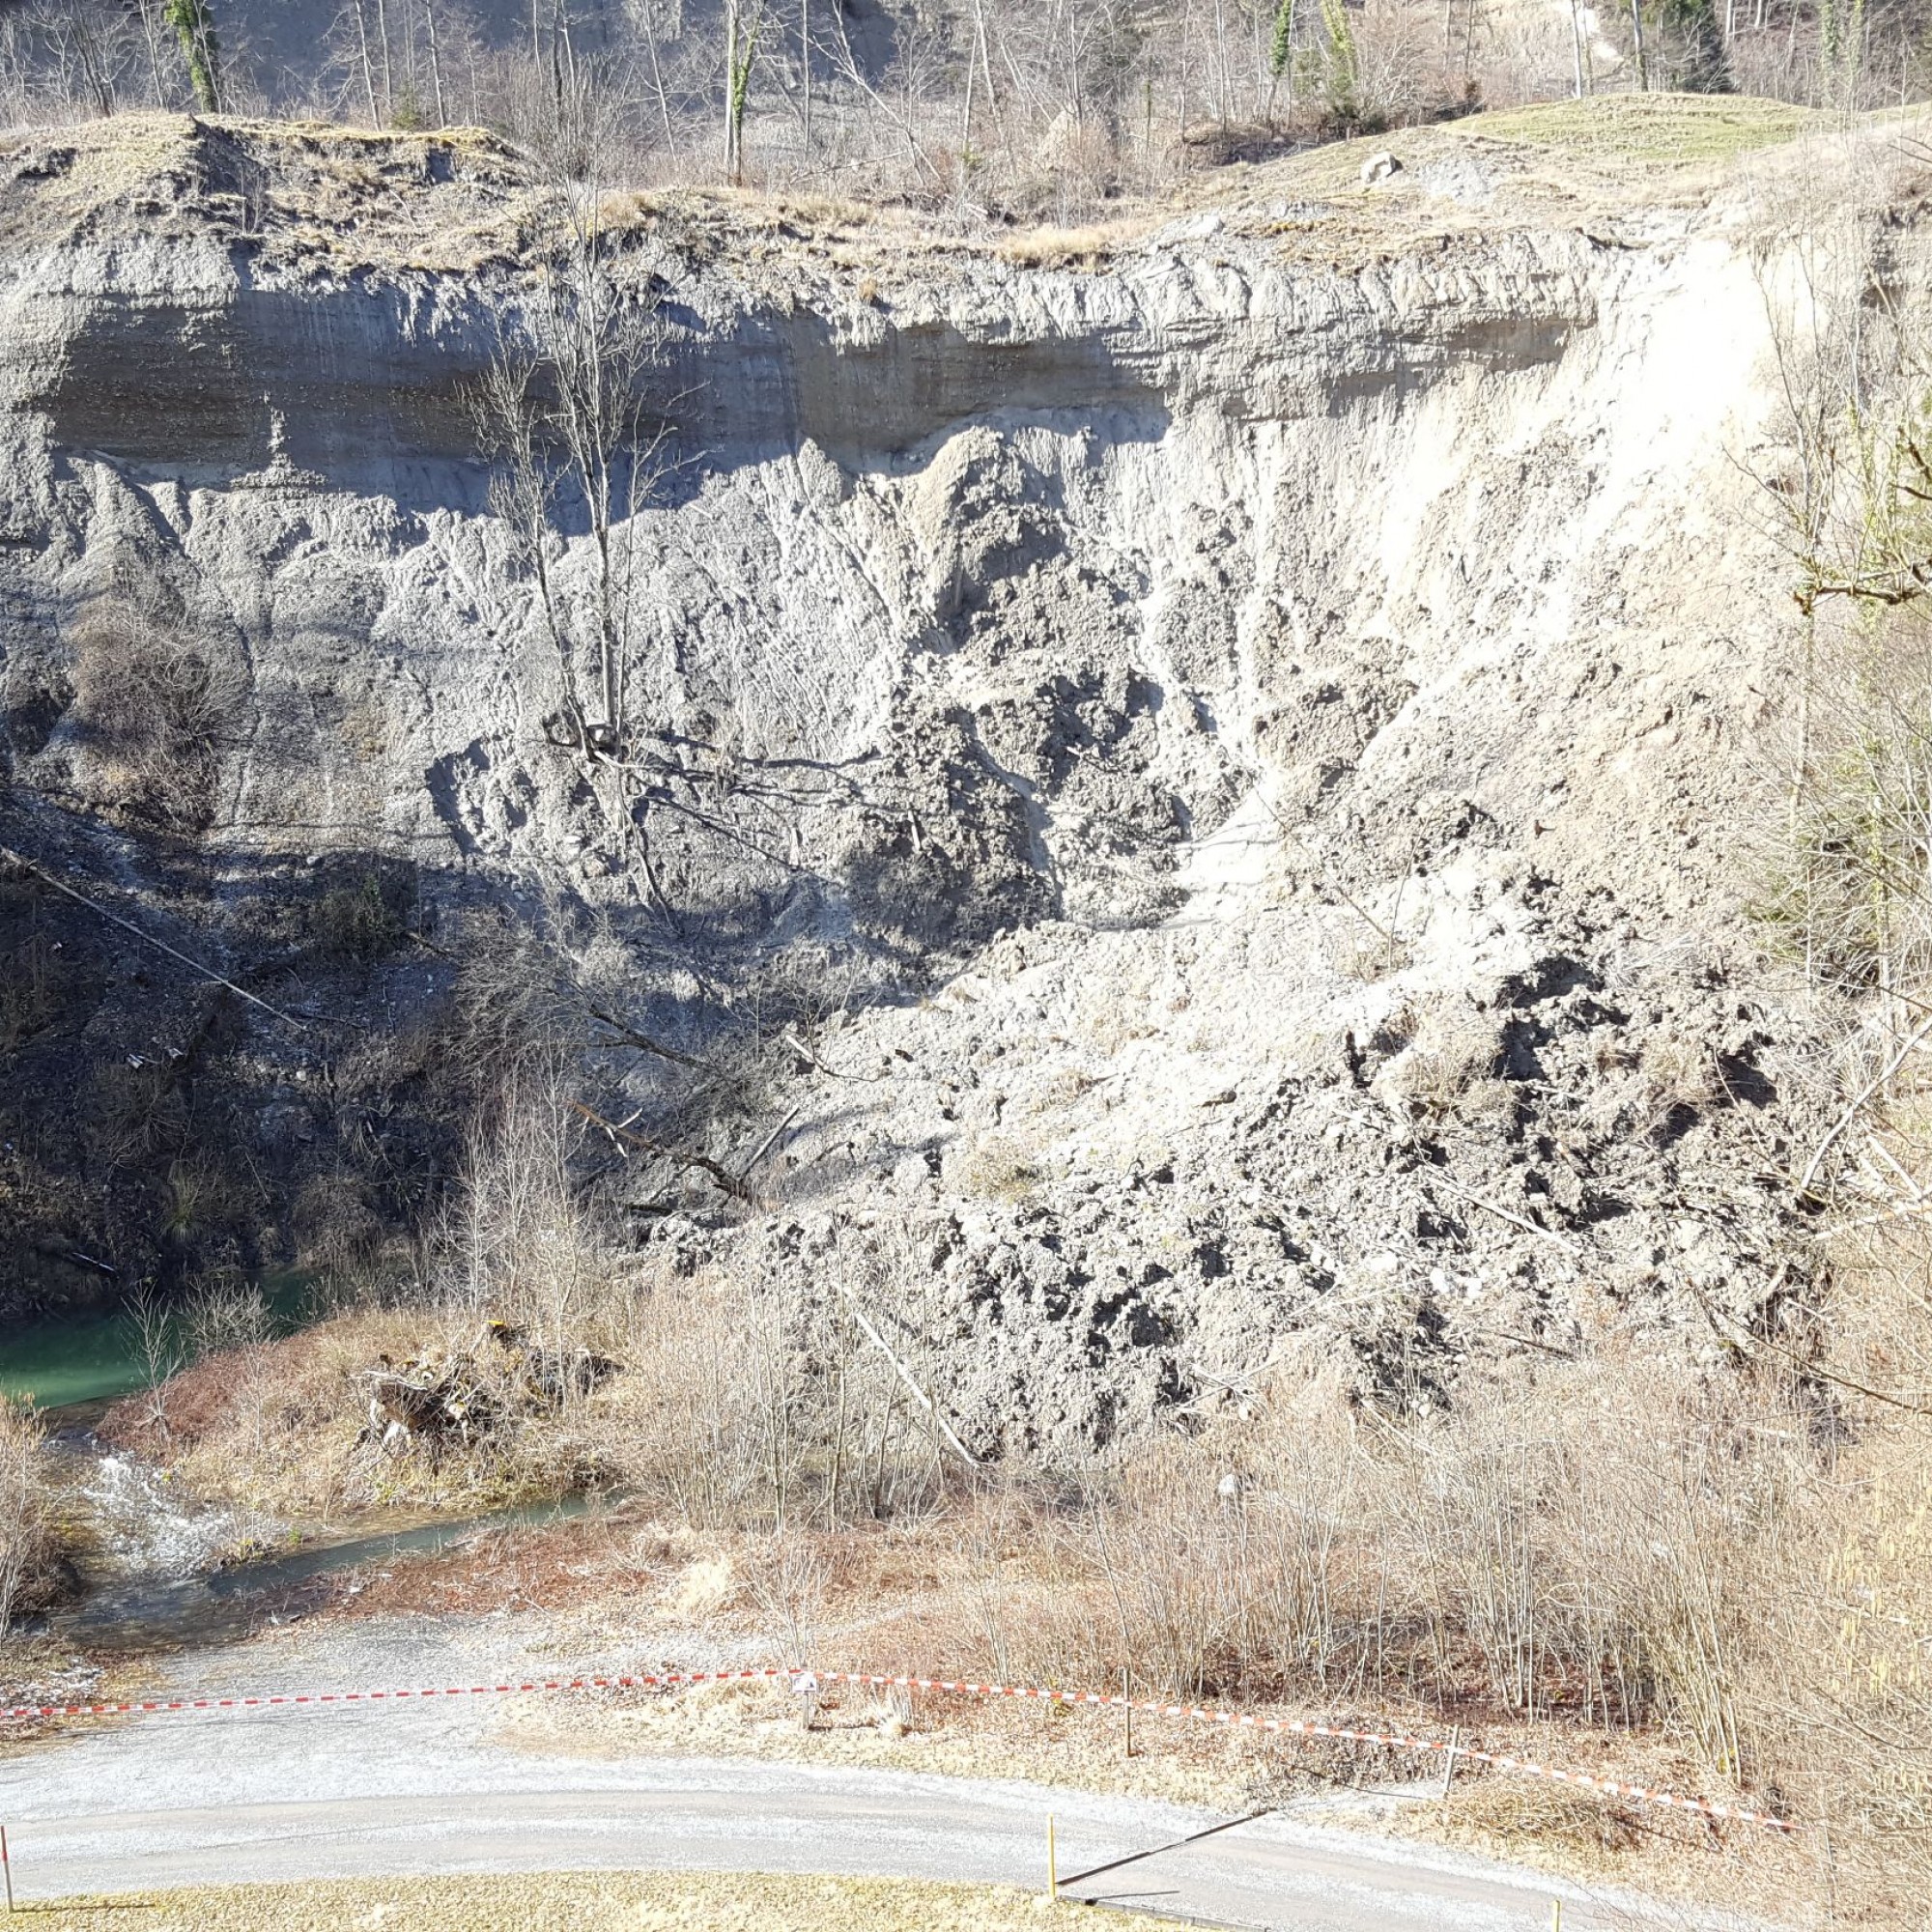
{"x":1313,"y":704}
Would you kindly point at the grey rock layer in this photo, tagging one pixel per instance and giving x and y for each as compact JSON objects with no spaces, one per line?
{"x":1289,"y":724}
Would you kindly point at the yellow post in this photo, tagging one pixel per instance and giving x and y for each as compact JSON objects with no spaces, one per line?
{"x":1052,"y":1861}
{"x":1556,"y":1915}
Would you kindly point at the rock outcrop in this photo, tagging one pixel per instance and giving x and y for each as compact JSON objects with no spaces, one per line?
{"x":1217,"y":774}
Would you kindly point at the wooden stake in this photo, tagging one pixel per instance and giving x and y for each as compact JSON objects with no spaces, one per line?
{"x":1449,"y":1763}
{"x":1556,"y":1915}
{"x":1052,"y":1861}
{"x":6,"y":1867}
{"x":1128,"y":1696}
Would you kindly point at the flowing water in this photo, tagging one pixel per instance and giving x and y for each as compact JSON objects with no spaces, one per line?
{"x":150,"y":1558}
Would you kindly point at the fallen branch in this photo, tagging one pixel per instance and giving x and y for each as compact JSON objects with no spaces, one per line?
{"x":1522,"y":1221}
{"x":790,"y":1037}
{"x":769,"y":1142}
{"x":1858,"y":1106}
{"x":645,"y":1044}
{"x":719,"y":1173}
{"x":906,"y":1376}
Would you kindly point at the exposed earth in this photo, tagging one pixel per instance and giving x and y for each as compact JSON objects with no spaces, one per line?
{"x":1189,"y":773}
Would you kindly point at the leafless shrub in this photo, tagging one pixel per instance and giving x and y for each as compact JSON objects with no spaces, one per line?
{"x":223,"y":1312}
{"x":154,"y":700}
{"x":28,"y":1555}
{"x":1396,"y":79}
{"x":523,"y":1245}
{"x":160,"y":1350}
{"x":787,"y":1581}
{"x":1523,"y":1552}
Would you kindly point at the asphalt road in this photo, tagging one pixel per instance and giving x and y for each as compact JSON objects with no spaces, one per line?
{"x":375,"y":1791}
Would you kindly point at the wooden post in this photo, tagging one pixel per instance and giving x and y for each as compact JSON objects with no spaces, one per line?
{"x":1449,"y":1763}
{"x":6,"y":1867}
{"x":1127,"y":1698}
{"x":1556,"y":1915}
{"x":1052,"y":1861}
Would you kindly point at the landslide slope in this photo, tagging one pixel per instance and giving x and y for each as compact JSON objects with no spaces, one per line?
{"x":1205,"y":770}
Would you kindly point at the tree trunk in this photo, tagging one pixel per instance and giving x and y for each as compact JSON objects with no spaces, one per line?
{"x":1636,"y":36}
{"x":965,"y":118}
{"x":368,"y":66}
{"x":153,"y":37}
{"x":731,"y":90}
{"x":805,"y":71}
{"x":434,"y":63}
{"x":388,"y":73}
{"x":194,"y":28}
{"x":658,"y":81}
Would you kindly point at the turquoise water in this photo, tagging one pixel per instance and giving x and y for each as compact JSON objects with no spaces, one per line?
{"x":94,"y":1358}
{"x":139,"y":1601}
{"x":63,"y":1362}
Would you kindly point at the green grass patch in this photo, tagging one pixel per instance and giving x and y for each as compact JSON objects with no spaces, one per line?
{"x":1668,"y":127}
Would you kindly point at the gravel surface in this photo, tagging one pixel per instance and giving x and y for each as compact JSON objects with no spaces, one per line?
{"x":379,"y":1790}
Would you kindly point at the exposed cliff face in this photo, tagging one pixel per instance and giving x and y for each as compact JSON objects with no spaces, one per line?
{"x":1292,"y":716}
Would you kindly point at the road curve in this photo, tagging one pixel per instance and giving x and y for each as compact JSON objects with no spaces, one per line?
{"x":307,"y":1794}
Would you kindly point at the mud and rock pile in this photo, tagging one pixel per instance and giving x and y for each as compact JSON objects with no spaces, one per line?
{"x":1208,"y":785}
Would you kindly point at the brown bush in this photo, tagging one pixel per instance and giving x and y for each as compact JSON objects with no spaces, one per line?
{"x":154,"y":699}
{"x":30,"y":1571}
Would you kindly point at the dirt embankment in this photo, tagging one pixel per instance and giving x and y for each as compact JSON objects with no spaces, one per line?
{"x":1194,"y":778}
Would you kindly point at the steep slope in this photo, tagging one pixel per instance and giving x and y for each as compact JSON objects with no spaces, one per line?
{"x":1217,"y":768}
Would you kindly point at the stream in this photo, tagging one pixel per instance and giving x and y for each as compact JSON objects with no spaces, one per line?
{"x":148,"y":1559}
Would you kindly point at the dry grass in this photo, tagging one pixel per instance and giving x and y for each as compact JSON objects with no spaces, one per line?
{"x":30,"y":1571}
{"x":154,"y":700}
{"x":576,"y":1902}
{"x":1085,"y":247}
{"x":1650,"y":128}
{"x":276,"y":1426}
{"x":1448,"y":1065}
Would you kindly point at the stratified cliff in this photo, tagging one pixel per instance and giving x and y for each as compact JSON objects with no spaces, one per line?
{"x":1196,"y":776}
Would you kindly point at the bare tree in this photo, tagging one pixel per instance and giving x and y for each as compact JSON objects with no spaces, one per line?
{"x":562,"y":412}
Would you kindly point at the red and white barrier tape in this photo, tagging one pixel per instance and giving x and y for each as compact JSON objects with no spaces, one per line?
{"x":1246,"y":1720}
{"x":808,"y":1680}
{"x":661,"y":1677}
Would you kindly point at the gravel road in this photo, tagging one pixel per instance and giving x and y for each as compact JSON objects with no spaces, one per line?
{"x":374,"y":1790}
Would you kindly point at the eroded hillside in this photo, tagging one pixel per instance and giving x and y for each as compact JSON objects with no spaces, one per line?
{"x":1193,"y":783}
